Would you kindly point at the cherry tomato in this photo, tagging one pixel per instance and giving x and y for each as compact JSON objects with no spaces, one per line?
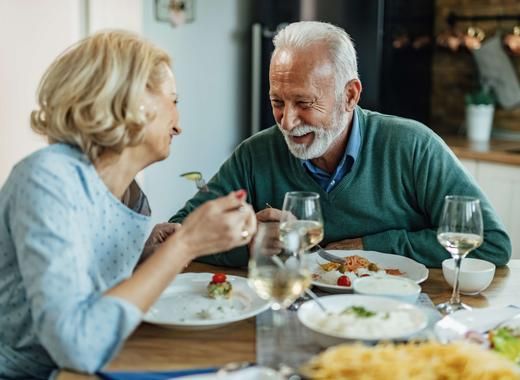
{"x":344,"y":281}
{"x":218,"y":278}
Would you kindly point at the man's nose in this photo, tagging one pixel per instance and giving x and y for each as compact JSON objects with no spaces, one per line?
{"x":290,"y":118}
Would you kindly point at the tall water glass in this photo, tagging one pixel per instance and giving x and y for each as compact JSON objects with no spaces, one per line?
{"x":460,"y":231}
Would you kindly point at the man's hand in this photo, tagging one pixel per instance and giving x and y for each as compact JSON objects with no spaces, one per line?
{"x":269,"y":215}
{"x":346,"y":244}
{"x":159,"y":234}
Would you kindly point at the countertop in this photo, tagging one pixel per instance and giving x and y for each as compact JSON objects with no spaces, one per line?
{"x":498,"y":151}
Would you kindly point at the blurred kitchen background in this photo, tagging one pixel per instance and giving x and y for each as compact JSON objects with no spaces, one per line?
{"x":417,"y":59}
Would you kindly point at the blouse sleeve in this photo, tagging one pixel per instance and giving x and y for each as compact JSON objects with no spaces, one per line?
{"x":79,"y":327}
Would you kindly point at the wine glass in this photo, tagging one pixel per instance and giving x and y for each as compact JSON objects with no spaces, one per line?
{"x":278,"y":273}
{"x":301,"y":213}
{"x":460,"y":231}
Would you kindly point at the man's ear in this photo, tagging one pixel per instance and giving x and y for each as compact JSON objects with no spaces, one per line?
{"x":352,"y":90}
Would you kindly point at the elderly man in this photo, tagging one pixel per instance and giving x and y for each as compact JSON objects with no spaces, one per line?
{"x":382,"y":179}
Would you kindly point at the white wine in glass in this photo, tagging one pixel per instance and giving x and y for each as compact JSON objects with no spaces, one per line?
{"x":310,"y":232}
{"x":301,"y":213}
{"x":460,"y":231}
{"x":276,"y":272}
{"x":279,"y":285}
{"x":459,"y":244}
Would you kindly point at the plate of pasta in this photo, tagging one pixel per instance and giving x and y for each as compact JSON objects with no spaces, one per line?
{"x":339,"y":278}
{"x":410,"y":361}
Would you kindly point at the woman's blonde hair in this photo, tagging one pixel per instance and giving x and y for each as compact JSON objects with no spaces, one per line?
{"x":91,"y":94}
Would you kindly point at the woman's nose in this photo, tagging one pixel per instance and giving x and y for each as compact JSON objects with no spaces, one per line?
{"x":177,"y":130}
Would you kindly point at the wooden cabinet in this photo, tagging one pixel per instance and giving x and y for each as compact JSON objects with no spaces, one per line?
{"x":501,"y":183}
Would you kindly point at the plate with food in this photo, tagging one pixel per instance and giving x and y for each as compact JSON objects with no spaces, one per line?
{"x":496,"y":328}
{"x":339,"y":278}
{"x":361,"y":318}
{"x":505,"y":339}
{"x":197,"y":301}
{"x":413,"y":360}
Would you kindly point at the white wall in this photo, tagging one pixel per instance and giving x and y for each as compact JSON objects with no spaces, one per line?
{"x":121,"y":14}
{"x":32,"y":33}
{"x":210,"y":58}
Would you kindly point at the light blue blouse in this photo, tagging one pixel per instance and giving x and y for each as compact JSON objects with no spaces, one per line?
{"x":64,"y":240}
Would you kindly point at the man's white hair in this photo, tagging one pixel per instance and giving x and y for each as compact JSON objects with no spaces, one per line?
{"x":341,"y":48}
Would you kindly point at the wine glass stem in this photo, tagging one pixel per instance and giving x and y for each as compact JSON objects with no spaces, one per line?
{"x":280,"y":319}
{"x":455,"y":297}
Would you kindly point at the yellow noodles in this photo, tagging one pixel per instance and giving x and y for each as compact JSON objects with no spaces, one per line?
{"x":425,"y":361}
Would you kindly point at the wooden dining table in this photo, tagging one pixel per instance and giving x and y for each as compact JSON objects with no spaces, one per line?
{"x":154,"y":348}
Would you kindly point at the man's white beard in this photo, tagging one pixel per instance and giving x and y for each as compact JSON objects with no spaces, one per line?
{"x":324,"y":136}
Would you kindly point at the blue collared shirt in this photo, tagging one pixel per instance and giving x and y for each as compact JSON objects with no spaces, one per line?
{"x":329,"y":181}
{"x":64,"y":240}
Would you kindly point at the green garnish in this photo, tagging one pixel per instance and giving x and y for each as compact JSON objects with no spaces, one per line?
{"x":505,"y":343}
{"x":192,"y":176}
{"x":358,"y":311}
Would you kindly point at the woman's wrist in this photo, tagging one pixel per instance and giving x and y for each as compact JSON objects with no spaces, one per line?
{"x":179,"y":246}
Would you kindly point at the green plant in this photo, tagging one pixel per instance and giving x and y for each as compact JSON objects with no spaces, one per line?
{"x":483,"y":96}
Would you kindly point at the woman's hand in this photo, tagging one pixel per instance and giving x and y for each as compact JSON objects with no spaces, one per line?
{"x":218,"y":225}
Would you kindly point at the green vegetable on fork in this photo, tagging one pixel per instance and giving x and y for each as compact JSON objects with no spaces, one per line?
{"x":198,"y":179}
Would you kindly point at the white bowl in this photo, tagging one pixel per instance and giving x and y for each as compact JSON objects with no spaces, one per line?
{"x":475,"y":274}
{"x":402,"y":320}
{"x":400,"y":288}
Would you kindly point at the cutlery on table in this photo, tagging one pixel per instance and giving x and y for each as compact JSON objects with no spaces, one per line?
{"x":329,"y":256}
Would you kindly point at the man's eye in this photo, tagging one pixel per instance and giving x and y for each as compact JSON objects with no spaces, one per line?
{"x":305,"y":104}
{"x":276,"y":103}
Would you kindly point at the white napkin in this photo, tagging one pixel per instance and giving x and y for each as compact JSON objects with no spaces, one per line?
{"x":251,"y":373}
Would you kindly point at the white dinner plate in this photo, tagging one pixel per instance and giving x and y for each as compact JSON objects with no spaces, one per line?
{"x":327,"y":334}
{"x":251,"y":373}
{"x":456,"y":325}
{"x":411,"y":269}
{"x":184,"y":304}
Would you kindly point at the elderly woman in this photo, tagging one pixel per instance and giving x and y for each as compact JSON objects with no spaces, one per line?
{"x":73,"y":222}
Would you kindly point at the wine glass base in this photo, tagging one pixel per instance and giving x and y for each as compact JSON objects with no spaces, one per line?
{"x":448,"y":308}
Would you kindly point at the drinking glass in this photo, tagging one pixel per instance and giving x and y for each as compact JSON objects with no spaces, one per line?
{"x":301,"y":213}
{"x":460,"y":231}
{"x":280,"y":274}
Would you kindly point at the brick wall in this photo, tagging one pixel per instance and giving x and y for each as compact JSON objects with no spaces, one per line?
{"x":455,"y":73}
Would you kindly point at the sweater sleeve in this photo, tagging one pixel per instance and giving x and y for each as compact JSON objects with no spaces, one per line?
{"x":232,"y":175}
{"x":437,"y":173}
{"x":79,"y":327}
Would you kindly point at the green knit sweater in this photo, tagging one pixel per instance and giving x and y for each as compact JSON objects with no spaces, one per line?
{"x":392,"y":198}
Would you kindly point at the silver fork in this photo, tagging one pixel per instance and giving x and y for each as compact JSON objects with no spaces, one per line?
{"x":329,"y":256}
{"x":199,"y":182}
